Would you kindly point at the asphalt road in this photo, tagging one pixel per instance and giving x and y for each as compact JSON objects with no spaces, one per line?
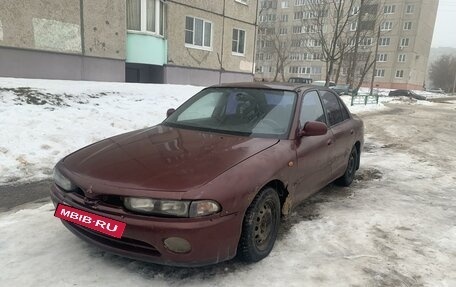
{"x":15,"y":195}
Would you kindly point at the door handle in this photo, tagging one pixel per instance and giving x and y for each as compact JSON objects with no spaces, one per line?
{"x":329,"y":141}
{"x":352,"y":132}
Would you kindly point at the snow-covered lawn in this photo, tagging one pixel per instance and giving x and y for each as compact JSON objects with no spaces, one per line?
{"x":395,"y":226}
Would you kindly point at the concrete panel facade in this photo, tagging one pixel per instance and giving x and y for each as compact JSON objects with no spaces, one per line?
{"x":178,"y":53}
{"x":214,"y":6}
{"x":63,"y":39}
{"x":240,"y":11}
{"x":39,"y":64}
{"x":209,"y":61}
{"x":236,"y":77}
{"x":21,"y":22}
{"x":232,"y":61}
{"x":202,"y":77}
{"x":190,"y":76}
{"x":104,"y":28}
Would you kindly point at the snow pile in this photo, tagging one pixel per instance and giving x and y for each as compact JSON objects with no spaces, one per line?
{"x":44,"y":120}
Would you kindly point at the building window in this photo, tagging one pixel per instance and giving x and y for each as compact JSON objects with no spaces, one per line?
{"x":354,"y":10}
{"x":268,"y":18}
{"x":284,"y":18}
{"x":379,"y":73}
{"x":399,"y":73}
{"x":382,"y":57}
{"x":408,"y":26}
{"x":386,"y":26}
{"x":269,"y":4}
{"x":241,"y":1}
{"x":401,"y":58}
{"x":316,"y":70}
{"x":309,"y":29}
{"x":410,"y":9}
{"x":284,"y":4}
{"x":198,"y":32}
{"x":259,"y":69}
{"x":389,"y":9}
{"x":299,"y":70}
{"x":297,"y":29}
{"x":238,"y":41}
{"x":405,"y":42}
{"x":298,"y":15}
{"x":145,"y":16}
{"x":366,"y":42}
{"x":385,"y":41}
{"x":283,"y":31}
{"x":353,"y":26}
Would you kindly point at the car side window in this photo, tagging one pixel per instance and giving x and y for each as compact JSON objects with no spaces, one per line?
{"x":345,"y":113}
{"x":311,"y":109}
{"x":332,"y":108}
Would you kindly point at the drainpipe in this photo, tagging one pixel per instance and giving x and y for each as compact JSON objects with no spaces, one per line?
{"x":255,"y":40}
{"x":223,"y":37}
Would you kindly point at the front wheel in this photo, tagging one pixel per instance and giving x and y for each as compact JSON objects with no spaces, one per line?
{"x":260,"y":226}
{"x":349,"y":175}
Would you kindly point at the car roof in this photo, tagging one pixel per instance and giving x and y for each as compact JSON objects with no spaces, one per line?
{"x":267,"y":85}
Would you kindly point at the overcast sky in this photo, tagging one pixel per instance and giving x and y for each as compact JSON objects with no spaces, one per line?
{"x":444,"y":33}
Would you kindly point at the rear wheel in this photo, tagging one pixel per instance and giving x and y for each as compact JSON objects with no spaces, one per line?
{"x":349,"y":175}
{"x":260,"y":226}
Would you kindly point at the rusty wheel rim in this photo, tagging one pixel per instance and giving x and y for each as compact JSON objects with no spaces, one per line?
{"x":264,"y":225}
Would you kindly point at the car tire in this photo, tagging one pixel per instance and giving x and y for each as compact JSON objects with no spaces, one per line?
{"x":349,"y":175}
{"x":260,"y":226}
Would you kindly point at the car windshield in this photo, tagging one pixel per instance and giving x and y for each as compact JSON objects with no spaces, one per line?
{"x":246,"y":112}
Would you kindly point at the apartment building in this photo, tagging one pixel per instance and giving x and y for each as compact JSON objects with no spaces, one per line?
{"x":200,"y":42}
{"x":403,"y":48}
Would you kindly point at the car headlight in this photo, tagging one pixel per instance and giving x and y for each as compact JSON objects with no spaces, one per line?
{"x":178,"y":208}
{"x":62,"y":181}
{"x":203,"y":208}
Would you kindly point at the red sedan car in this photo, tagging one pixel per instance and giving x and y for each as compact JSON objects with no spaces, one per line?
{"x":214,"y":178}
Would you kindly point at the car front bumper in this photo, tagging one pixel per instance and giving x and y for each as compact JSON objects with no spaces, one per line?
{"x":212,"y":239}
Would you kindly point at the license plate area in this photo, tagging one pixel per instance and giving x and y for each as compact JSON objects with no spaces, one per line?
{"x":102,"y":224}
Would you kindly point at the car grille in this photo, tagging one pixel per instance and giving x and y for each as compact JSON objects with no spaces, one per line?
{"x":127,"y":244}
{"x":112,"y":200}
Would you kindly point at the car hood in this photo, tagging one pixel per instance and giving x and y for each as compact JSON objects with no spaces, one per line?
{"x":162,"y":158}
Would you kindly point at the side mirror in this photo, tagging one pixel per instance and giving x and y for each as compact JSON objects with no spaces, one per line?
{"x":313,"y":129}
{"x":170,"y":112}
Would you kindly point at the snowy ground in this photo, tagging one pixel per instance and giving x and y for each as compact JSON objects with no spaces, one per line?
{"x":395,"y":226}
{"x":43,"y":120}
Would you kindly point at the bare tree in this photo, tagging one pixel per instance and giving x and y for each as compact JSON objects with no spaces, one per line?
{"x":344,"y":29}
{"x":367,"y":34}
{"x":443,"y":73}
{"x":326,"y":22}
{"x":274,"y":39}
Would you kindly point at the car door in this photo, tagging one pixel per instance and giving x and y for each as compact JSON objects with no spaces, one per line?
{"x":343,"y":134}
{"x":313,"y":152}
